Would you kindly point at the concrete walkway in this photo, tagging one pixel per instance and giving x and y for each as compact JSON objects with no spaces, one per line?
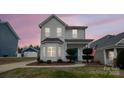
{"x":56,"y":66}
{"x":6,"y":67}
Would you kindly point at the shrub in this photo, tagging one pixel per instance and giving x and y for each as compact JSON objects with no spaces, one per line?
{"x":71,"y":53}
{"x":49,"y":61}
{"x":87,"y":54}
{"x":59,"y":60}
{"x":5,"y":55}
{"x":88,"y":51}
{"x":120,"y":59}
{"x":38,"y":59}
{"x":41,"y":61}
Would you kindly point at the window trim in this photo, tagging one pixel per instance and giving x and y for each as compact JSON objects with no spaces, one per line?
{"x":59,"y":32}
{"x":74,"y":34}
{"x":47,"y":32}
{"x":59,"y":51}
{"x":51,"y":51}
{"x":44,"y":51}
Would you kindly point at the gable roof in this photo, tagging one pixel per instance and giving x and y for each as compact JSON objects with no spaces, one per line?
{"x":11,"y":29}
{"x":52,"y":40}
{"x":49,"y":18}
{"x":67,"y":26}
{"x":79,"y":40}
{"x":100,"y":42}
{"x":109,"y":40}
{"x":30,"y":49}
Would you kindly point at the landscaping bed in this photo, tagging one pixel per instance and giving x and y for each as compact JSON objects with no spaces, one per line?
{"x":7,"y":60}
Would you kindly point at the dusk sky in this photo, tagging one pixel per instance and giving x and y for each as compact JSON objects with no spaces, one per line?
{"x":99,"y":25}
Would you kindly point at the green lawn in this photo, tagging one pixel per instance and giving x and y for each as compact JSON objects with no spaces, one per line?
{"x":8,"y":60}
{"x":78,"y":72}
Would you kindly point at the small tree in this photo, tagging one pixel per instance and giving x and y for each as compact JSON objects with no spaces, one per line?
{"x":120,"y":59}
{"x":71,"y":53}
{"x":87,"y":54}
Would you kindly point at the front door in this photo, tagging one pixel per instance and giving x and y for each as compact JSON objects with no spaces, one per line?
{"x":74,"y":54}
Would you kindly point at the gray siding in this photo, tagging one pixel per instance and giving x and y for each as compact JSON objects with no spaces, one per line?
{"x":99,"y":56}
{"x":81,"y":34}
{"x":8,"y":42}
{"x":53,"y":24}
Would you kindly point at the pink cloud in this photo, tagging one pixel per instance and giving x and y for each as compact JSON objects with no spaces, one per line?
{"x":106,"y":21}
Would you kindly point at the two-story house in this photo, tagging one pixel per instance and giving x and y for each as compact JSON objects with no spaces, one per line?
{"x":57,"y":37}
{"x":8,"y":40}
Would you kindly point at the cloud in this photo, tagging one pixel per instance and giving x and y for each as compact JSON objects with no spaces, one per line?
{"x":108,"y":20}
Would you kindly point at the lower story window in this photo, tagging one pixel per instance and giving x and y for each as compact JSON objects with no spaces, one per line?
{"x":44,"y":52}
{"x":51,"y":51}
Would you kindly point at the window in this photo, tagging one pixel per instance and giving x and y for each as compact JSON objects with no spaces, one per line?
{"x":59,"y":32}
{"x":47,"y":32}
{"x":44,"y":50}
{"x":51,"y":51}
{"x":74,"y":33}
{"x":59,"y":51}
{"x":111,"y":55}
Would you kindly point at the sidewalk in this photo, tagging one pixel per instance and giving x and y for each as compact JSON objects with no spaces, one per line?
{"x":6,"y":67}
{"x":56,"y":66}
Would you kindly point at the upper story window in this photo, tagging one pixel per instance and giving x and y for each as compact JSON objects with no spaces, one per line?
{"x":74,"y":33}
{"x":59,"y":32}
{"x":47,"y":32}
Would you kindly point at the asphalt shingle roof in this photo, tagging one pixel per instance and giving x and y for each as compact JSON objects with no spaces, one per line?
{"x":108,"y":40}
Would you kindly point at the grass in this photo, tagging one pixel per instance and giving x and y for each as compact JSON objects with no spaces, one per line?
{"x":78,"y":72}
{"x":8,"y":60}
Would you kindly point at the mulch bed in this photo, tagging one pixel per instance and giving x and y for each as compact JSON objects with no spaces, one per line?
{"x":50,"y":64}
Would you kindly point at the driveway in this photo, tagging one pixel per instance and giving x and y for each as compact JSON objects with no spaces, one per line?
{"x":11,"y":66}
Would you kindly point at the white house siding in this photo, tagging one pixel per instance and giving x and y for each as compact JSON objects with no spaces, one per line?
{"x":80,"y":33}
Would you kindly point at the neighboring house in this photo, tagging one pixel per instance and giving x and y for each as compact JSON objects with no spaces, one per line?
{"x":57,"y":37}
{"x":8,"y":40}
{"x":30,"y":52}
{"x":108,"y":48}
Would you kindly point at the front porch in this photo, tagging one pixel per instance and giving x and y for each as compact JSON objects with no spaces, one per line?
{"x":78,"y":45}
{"x":111,"y":54}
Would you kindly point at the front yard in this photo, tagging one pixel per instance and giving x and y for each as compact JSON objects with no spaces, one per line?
{"x":77,"y":72}
{"x":8,"y":60}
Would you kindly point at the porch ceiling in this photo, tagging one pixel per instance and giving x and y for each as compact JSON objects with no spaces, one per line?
{"x":78,"y":41}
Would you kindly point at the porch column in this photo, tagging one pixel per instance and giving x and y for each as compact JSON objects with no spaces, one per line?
{"x":115,"y":53}
{"x":104,"y":53}
{"x":79,"y":54}
{"x":65,"y":51}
